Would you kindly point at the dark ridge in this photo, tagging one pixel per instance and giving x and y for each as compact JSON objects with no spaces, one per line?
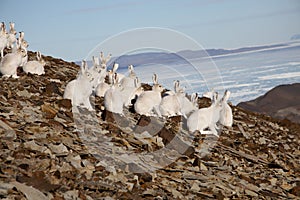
{"x":281,"y":102}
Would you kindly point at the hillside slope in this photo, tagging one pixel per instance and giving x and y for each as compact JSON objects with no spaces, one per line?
{"x":281,"y":102}
{"x":91,"y":155}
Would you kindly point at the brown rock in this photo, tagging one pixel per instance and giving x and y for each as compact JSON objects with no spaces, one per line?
{"x":52,"y":88}
{"x":48,"y":111}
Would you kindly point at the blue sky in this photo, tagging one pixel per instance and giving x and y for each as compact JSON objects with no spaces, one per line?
{"x":69,"y":29}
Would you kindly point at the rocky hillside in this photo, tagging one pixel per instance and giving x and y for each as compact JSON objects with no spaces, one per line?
{"x":48,"y":152}
{"x":282,"y":102}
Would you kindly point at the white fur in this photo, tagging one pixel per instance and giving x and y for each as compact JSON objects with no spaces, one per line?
{"x":226,"y":118}
{"x":206,"y":118}
{"x":129,"y":93}
{"x":129,"y":81}
{"x":35,"y":66}
{"x":97,"y":71}
{"x":80,"y":89}
{"x":188,"y":106}
{"x":114,"y":71}
{"x":209,"y":94}
{"x":11,"y":61}
{"x":3,"y":38}
{"x":148,"y":102}
{"x":170,"y":104}
{"x":103,"y":86}
{"x":113,"y":101}
{"x":11,"y":37}
{"x":21,"y":42}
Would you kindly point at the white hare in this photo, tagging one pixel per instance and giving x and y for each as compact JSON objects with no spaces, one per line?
{"x":148,"y":102}
{"x":130,"y":93}
{"x":11,"y":37}
{"x":188,"y":106}
{"x":206,"y":118}
{"x":101,"y":67}
{"x":23,"y":44}
{"x":114,"y":70}
{"x":170,"y":104}
{"x":3,"y":38}
{"x":96,"y":71}
{"x":11,"y":61}
{"x":113,"y":101}
{"x":102,"y":87}
{"x":129,"y":81}
{"x":35,"y":66}
{"x":80,"y":89}
{"x":226,"y":118}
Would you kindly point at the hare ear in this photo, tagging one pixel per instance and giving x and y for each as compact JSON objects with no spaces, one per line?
{"x":115,"y":78}
{"x":130,"y":68}
{"x":226,"y":96}
{"x":101,"y":56}
{"x":3,"y":26}
{"x":194,"y":96}
{"x":21,"y":35}
{"x":115,"y":67}
{"x":215,"y":97}
{"x":176,"y":86}
{"x":108,"y":58}
{"x":95,"y":60}
{"x":136,"y":82}
{"x":83,"y":66}
{"x":154,"y":78}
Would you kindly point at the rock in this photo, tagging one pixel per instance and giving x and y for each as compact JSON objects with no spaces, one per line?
{"x":48,"y":111}
{"x":31,"y":145}
{"x":39,"y":181}
{"x":203,"y":167}
{"x":30,"y":192}
{"x":65,"y":103}
{"x":262,"y":140}
{"x":195,"y":187}
{"x":60,"y":149}
{"x":52,"y":88}
{"x":296,"y":190}
{"x":251,"y":193}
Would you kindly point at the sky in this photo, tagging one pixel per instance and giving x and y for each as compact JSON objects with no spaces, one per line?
{"x":70,"y":29}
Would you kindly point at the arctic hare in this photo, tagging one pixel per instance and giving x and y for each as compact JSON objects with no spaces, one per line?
{"x":113,"y":101}
{"x":206,"y":118}
{"x":35,"y":66}
{"x":128,"y":81}
{"x":148,"y":102}
{"x":11,"y":37}
{"x":11,"y":61}
{"x":226,"y":118}
{"x":80,"y":89}
{"x":3,"y":38}
{"x":170,"y":104}
{"x":130,"y":93}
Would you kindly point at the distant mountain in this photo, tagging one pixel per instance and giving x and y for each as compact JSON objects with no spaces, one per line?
{"x":295,"y":37}
{"x":218,"y":52}
{"x":281,"y":102}
{"x":181,"y":56}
